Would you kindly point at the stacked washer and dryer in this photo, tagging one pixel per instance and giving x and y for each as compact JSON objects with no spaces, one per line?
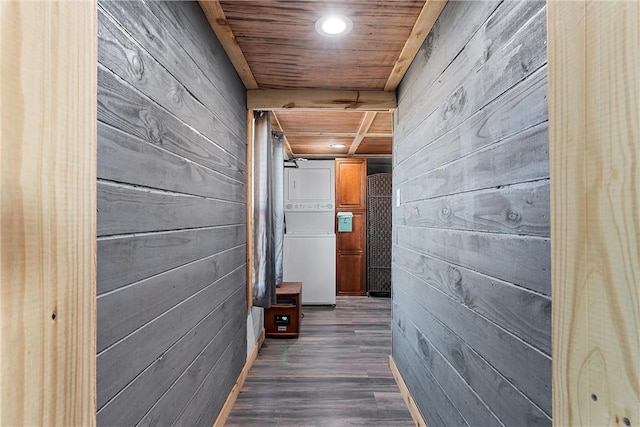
{"x":309,"y":252}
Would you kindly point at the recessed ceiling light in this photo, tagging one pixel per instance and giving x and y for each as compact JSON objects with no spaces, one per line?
{"x":338,"y":145}
{"x":333,"y":25}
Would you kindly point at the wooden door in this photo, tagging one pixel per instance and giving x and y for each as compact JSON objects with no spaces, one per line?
{"x":351,"y":259}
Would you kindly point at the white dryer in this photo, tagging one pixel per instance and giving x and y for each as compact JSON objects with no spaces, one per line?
{"x":309,"y":253}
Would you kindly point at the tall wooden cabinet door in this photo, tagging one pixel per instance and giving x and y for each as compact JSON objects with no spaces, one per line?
{"x":351,"y":259}
{"x":351,"y":270}
{"x":351,"y":184}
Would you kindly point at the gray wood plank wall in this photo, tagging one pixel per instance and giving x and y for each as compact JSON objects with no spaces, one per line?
{"x":471,"y":242}
{"x":171,"y":216}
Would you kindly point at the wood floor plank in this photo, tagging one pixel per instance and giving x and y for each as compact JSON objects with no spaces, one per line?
{"x":334,"y":374}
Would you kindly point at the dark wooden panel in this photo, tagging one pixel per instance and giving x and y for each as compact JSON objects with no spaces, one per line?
{"x":522,"y":157}
{"x":524,"y":313}
{"x":127,"y":259}
{"x":125,"y":209}
{"x":351,"y":272}
{"x":306,"y":144}
{"x":351,"y":184}
{"x":526,"y":368}
{"x":120,"y":106}
{"x":375,"y":145}
{"x":286,"y":52}
{"x":353,"y":241}
{"x":382,"y":124}
{"x":508,"y":403}
{"x":522,"y":260}
{"x":522,"y":107}
{"x":161,"y":41}
{"x":508,"y":49}
{"x":120,"y":364}
{"x":204,"y":342}
{"x":517,"y":209}
{"x":294,"y":122}
{"x":129,"y":308}
{"x":118,"y":52}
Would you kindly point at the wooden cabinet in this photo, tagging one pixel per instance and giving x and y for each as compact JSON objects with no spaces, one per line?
{"x":283,"y":319}
{"x":351,"y":259}
{"x":351,"y":184}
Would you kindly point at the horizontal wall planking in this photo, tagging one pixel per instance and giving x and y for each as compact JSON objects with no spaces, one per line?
{"x":119,"y":364}
{"x":123,"y":56}
{"x":126,"y":309}
{"x":522,"y":260}
{"x":523,"y":313}
{"x":505,"y":51}
{"x":124,"y":107}
{"x":524,"y":367}
{"x":521,"y":209}
{"x":155,"y":36}
{"x":432,"y":401}
{"x":522,"y":107}
{"x":124,"y":209}
{"x":519,"y":158}
{"x":445,"y":42}
{"x":228,"y":358}
{"x":128,"y":259}
{"x":471,"y":406}
{"x":466,"y":88}
{"x":126,"y":158}
{"x":202,"y":343}
{"x":204,"y":406}
{"x":508,"y":403}
{"x":202,"y":45}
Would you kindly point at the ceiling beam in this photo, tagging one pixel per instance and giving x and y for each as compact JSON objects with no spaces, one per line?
{"x":320,"y":99}
{"x":428,"y":16}
{"x":218,"y":22}
{"x":367,"y":120}
{"x":278,"y":127}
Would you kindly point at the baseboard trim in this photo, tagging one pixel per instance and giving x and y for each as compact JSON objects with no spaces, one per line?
{"x":406,"y":395}
{"x":235,"y":391}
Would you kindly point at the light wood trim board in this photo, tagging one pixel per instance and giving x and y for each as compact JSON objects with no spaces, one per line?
{"x":48,"y":235}
{"x":594,"y":128}
{"x":220,"y":26}
{"x":406,"y":395}
{"x":367,"y":120}
{"x":249,"y":175}
{"x":235,"y":391}
{"x":321,"y":99}
{"x":421,"y":29}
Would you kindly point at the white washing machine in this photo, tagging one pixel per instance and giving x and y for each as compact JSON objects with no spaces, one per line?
{"x":309,"y":252}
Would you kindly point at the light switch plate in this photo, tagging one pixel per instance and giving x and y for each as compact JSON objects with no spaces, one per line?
{"x":398,"y":197}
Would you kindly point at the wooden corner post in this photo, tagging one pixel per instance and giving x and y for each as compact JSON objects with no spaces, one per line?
{"x":594,"y":149}
{"x":48,"y":238}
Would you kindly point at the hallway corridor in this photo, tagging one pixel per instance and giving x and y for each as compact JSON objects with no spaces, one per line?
{"x":335,"y":374}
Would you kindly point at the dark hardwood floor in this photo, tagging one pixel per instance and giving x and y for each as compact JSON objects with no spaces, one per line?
{"x":335,"y":374}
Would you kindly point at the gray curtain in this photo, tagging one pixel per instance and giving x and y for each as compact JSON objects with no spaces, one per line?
{"x":268,"y":211}
{"x":277,"y":193}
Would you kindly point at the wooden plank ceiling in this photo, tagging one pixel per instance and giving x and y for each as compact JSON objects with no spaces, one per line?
{"x":324,"y":90}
